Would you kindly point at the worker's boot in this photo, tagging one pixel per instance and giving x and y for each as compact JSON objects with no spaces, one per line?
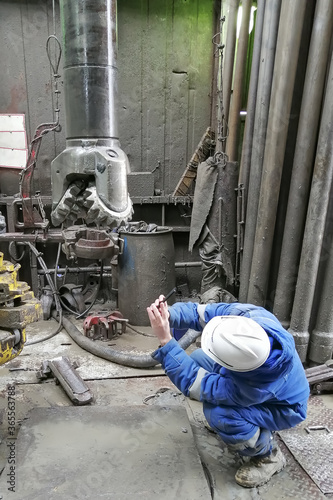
{"x":259,"y":470}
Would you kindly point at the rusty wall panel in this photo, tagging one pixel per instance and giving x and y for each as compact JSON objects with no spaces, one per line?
{"x":165,"y":69}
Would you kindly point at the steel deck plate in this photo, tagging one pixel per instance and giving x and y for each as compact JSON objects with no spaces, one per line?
{"x":106,"y":452}
{"x":313,"y":448}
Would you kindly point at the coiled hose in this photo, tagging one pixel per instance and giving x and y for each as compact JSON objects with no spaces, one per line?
{"x":120,"y":357}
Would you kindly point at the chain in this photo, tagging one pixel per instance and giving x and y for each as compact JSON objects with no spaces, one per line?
{"x":41,"y":206}
{"x":222,"y":126}
{"x":54,"y":65}
{"x":53,"y":18}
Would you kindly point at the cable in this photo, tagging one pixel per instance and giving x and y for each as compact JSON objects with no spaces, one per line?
{"x":41,"y":261}
{"x":138,"y":331}
{"x":62,"y":303}
{"x":80,"y":315}
{"x":11,"y":254}
{"x":56,"y":266}
{"x":120,"y":357}
{"x":96,"y":294}
{"x":50,"y":336}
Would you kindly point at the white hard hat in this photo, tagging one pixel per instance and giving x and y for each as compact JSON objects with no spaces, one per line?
{"x":235,"y":342}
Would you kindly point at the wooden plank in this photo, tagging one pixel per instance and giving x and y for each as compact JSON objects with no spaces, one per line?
{"x":203,"y":151}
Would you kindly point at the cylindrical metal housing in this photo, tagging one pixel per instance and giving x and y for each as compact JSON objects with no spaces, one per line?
{"x":146,"y":270}
{"x":90,"y":70}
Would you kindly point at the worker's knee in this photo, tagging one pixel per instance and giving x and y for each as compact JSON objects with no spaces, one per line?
{"x":237,"y":433}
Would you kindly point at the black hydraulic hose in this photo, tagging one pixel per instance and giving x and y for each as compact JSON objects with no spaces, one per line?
{"x":58,"y":311}
{"x":120,"y":357}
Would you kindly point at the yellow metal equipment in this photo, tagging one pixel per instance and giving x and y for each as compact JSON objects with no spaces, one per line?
{"x":18,"y":307}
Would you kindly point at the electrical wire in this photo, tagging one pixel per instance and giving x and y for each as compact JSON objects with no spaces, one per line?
{"x":138,"y":331}
{"x":123,"y":358}
{"x":56,"y":266}
{"x":41,"y":262}
{"x":96,"y":294}
{"x":11,"y":253}
{"x":63,"y":304}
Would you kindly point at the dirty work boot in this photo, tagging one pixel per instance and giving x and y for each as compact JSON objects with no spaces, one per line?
{"x":259,"y":470}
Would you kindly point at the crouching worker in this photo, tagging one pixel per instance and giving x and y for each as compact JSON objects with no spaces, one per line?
{"x":248,"y":376}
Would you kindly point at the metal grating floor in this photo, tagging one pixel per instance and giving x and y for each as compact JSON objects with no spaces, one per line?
{"x":311,"y":444}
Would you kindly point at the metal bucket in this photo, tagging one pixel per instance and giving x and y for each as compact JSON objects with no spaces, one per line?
{"x":146,"y":270}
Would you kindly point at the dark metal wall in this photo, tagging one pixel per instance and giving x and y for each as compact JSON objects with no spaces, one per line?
{"x":25,"y":80}
{"x":165,"y":71}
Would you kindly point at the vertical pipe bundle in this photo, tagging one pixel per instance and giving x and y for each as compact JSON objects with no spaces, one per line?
{"x":267,"y":57}
{"x":321,"y":339}
{"x":315,"y":225}
{"x":303,"y":159}
{"x":244,"y":169}
{"x":236,"y":103}
{"x":228,"y":67}
{"x":289,"y":38}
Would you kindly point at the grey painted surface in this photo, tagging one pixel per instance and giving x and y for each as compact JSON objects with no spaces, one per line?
{"x":165,"y":69}
{"x":98,"y":452}
{"x":25,"y":83}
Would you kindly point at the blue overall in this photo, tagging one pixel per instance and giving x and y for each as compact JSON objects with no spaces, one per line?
{"x":242,"y":407}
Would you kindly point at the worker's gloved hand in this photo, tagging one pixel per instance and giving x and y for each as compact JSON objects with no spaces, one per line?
{"x":159,"y":319}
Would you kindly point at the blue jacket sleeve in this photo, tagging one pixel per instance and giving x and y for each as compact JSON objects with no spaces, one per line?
{"x":180,"y":368}
{"x":185,"y":314}
{"x":215,"y":388}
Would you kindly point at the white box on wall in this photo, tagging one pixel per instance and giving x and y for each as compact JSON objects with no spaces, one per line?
{"x":13,"y":141}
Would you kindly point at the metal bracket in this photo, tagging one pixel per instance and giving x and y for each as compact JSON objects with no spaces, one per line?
{"x":104,"y":326}
{"x":320,"y":377}
{"x":74,"y":386}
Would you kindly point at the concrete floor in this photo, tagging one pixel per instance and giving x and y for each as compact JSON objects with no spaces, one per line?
{"x":122,"y":387}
